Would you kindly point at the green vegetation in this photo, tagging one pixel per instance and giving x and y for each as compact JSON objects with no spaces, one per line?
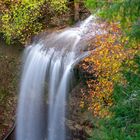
{"x":22,"y":19}
{"x":127,"y":12}
{"x":124,"y":123}
{"x":114,"y":96}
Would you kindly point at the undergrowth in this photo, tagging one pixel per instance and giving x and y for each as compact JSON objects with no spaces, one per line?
{"x":125,"y":121}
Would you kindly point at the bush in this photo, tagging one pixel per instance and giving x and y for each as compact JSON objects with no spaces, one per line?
{"x":22,"y":19}
{"x":125,"y":122}
{"x":127,"y":12}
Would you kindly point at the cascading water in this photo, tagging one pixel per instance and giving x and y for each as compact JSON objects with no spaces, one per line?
{"x":49,"y":61}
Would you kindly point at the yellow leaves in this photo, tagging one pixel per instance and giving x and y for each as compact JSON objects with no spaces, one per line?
{"x":82,"y":104}
{"x":105,"y":66}
{"x":124,"y":39}
{"x":18,"y":21}
{"x":59,"y":6}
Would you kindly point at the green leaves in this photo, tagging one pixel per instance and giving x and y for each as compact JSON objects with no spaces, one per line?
{"x":59,"y":6}
{"x":22,"y":19}
{"x":125,"y":123}
{"x":127,"y":12}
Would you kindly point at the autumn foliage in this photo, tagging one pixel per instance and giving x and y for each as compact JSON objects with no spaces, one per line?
{"x":104,"y":66}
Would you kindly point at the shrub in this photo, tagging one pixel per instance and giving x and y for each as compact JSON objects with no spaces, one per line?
{"x":22,"y":19}
{"x":125,"y":121}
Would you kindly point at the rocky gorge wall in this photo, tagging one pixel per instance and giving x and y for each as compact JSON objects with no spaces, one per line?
{"x":10,"y":60}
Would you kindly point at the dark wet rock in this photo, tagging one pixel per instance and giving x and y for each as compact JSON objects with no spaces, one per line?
{"x":78,"y":122}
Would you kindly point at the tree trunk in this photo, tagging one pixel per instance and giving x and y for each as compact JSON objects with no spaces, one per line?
{"x":76,"y":10}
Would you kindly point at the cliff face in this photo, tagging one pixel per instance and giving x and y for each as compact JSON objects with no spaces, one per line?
{"x":10,"y":68}
{"x":9,"y":76}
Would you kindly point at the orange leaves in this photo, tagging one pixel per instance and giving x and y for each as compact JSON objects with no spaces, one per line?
{"x":105,"y":65}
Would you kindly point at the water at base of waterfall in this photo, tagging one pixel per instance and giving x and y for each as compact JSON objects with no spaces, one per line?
{"x":48,"y":64}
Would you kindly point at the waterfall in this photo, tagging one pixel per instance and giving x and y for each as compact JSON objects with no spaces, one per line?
{"x":48,"y":64}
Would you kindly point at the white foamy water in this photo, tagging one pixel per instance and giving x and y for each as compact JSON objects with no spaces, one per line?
{"x":48,"y":61}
